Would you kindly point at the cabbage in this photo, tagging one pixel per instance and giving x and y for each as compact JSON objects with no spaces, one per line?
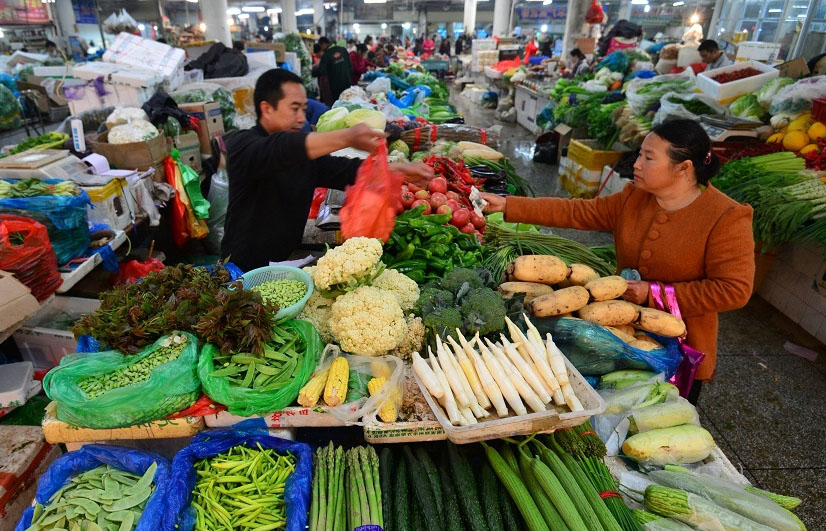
{"x":332,"y":120}
{"x":375,"y":119}
{"x":399,"y":145}
{"x":747,"y":107}
{"x":767,"y":92}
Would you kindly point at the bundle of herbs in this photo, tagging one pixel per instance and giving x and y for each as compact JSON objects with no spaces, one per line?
{"x":184,"y":298}
{"x":601,"y":125}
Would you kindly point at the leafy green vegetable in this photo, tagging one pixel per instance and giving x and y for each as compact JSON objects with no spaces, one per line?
{"x":747,"y":107}
{"x":693,"y":106}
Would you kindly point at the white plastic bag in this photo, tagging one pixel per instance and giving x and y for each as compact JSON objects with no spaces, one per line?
{"x":643,"y":93}
{"x":354,"y":93}
{"x":218,"y":198}
{"x":672,"y":111}
{"x":798,"y":98}
{"x":380,"y":84}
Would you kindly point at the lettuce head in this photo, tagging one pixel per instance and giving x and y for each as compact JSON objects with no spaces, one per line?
{"x":375,"y":119}
{"x":332,"y":120}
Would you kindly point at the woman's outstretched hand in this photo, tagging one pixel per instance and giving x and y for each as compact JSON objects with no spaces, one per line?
{"x":496,"y":203}
{"x":637,"y":292}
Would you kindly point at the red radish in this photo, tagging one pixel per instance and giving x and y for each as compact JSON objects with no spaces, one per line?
{"x":421,"y":202}
{"x":477,"y":220}
{"x":413,"y":188}
{"x":468,"y":229}
{"x":454,"y":196}
{"x":439,"y":184}
{"x":437,"y":199}
{"x":444,"y":209}
{"x":460,"y":218}
{"x":407,"y":198}
{"x":453,"y":204}
{"x":422,"y":194}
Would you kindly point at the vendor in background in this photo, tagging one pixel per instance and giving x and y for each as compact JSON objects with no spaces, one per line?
{"x":274,"y":168}
{"x":358,"y":59}
{"x":580,"y":64}
{"x":444,"y":47}
{"x":428,"y":47}
{"x":55,"y":57}
{"x":670,"y":225}
{"x":713,"y":56}
{"x":335,"y":67}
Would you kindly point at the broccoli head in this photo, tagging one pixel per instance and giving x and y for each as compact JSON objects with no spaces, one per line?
{"x":444,"y":321}
{"x":483,"y":311}
{"x":432,"y":299}
{"x":455,"y":279}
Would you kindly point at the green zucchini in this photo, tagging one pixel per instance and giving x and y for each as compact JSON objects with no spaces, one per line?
{"x":510,"y":458}
{"x":401,"y":503}
{"x":489,"y":484}
{"x":453,"y":513}
{"x":385,"y":475}
{"x":420,"y":486}
{"x":510,"y":514}
{"x":432,"y":475}
{"x":546,"y":507}
{"x":465,"y":484}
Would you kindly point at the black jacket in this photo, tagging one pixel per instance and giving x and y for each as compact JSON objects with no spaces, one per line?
{"x":271,"y":184}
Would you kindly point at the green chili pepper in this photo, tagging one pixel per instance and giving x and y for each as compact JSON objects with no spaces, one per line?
{"x":438,"y":219}
{"x":439,"y":249}
{"x":406,"y":253}
{"x":423,"y":253}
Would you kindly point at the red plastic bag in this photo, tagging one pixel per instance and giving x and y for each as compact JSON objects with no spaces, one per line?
{"x":372,"y":202}
{"x":318,"y":198}
{"x":132,"y":271}
{"x":26,"y":251}
{"x":595,"y":14}
{"x":178,"y":213}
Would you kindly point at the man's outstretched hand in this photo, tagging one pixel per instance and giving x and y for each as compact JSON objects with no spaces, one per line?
{"x":364,"y":137}
{"x":415,"y":172}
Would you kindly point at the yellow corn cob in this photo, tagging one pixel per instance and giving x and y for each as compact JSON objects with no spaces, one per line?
{"x":387,"y":412}
{"x":336,"y":388}
{"x":309,"y":394}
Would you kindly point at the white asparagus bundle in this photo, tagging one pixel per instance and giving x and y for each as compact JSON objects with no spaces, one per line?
{"x":485,"y":379}
{"x":502,"y":380}
{"x":477,"y":410}
{"x":519,"y":383}
{"x":447,"y":400}
{"x":462,"y":400}
{"x":525,"y":370}
{"x":427,"y":376}
{"x":540,"y":360}
{"x":470,"y":373}
{"x":555,"y":359}
{"x":567,"y":391}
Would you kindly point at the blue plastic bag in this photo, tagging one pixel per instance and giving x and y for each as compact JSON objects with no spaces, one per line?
{"x":64,"y":217}
{"x":595,"y":351}
{"x":179,"y":514}
{"x":94,"y":455}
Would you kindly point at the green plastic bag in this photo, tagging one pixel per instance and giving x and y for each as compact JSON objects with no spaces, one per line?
{"x":192,"y":185}
{"x":171,"y":387}
{"x":246,"y":402}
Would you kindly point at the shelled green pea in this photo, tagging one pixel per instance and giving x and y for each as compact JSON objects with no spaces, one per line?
{"x":284,"y":292}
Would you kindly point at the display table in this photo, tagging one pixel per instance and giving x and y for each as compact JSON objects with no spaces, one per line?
{"x":529,"y":104}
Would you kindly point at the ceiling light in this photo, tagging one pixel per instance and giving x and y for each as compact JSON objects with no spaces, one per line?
{"x":678,"y":4}
{"x":202,"y":27}
{"x":798,"y":16}
{"x":253,"y":9}
{"x":233,"y":11}
{"x":647,"y":8}
{"x":192,"y":1}
{"x":244,"y":16}
{"x":266,"y":28}
{"x":406,"y":25}
{"x":544,"y":28}
{"x":383,"y":25}
{"x":414,"y":29}
{"x":141,"y":27}
{"x":546,"y":2}
{"x":775,"y":10}
{"x":306,"y":11}
{"x":695,"y":18}
{"x":155,"y":28}
{"x":375,"y":1}
{"x":639,"y":2}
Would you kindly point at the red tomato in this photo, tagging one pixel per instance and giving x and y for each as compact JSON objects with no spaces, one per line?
{"x":421,"y":202}
{"x":460,"y":218}
{"x":444,"y":209}
{"x":453,"y":195}
{"x":413,"y":188}
{"x":438,"y":199}
{"x":439,"y":184}
{"x":453,"y":204}
{"x":407,"y":198}
{"x":468,"y":229}
{"x":477,"y":220}
{"x":422,"y":194}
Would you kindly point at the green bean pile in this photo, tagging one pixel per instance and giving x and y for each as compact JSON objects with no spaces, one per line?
{"x":140,"y":371}
{"x":283,"y":293}
{"x":242,"y":490}
{"x":102,"y":499}
{"x":275,"y":369}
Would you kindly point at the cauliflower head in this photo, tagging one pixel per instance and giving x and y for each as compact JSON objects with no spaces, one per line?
{"x":344,"y":268}
{"x":318,"y":311}
{"x":413,"y":338}
{"x":368,"y":321}
{"x":403,"y":287}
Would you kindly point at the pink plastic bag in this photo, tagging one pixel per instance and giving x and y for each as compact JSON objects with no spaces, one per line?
{"x":684,"y":377}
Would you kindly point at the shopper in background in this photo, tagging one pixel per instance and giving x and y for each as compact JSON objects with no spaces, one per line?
{"x":712,"y":55}
{"x":428,"y":47}
{"x":335,"y":66}
{"x":407,"y":43}
{"x":460,"y":40}
{"x":371,"y":45}
{"x":55,"y":57}
{"x":444,"y":48}
{"x":358,"y":59}
{"x":579,"y":64}
{"x":274,"y":168}
{"x":672,"y":226}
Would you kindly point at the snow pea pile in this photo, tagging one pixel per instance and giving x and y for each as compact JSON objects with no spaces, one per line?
{"x":282,"y":293}
{"x":275,"y":369}
{"x":102,"y":499}
{"x":242,"y":490}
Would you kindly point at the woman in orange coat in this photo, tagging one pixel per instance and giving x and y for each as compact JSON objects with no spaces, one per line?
{"x":672,"y":226}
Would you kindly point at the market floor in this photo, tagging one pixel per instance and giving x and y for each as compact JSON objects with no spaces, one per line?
{"x":767,"y":406}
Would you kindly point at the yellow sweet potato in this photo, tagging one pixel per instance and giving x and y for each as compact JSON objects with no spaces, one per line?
{"x":621,"y":334}
{"x":563,"y":301}
{"x":530,"y":289}
{"x":544,"y":269}
{"x":648,"y":339}
{"x":581,"y":274}
{"x":609,"y":313}
{"x":660,"y":323}
{"x":642,"y":345}
{"x":606,"y":288}
{"x":628,"y":329}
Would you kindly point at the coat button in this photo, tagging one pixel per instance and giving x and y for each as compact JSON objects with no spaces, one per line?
{"x":653,"y":235}
{"x":662,"y":217}
{"x":645,"y":255}
{"x":643,"y":270}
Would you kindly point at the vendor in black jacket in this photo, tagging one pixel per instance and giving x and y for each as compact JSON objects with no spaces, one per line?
{"x":274,"y":168}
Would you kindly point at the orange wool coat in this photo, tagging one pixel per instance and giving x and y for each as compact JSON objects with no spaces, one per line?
{"x":706,"y":249}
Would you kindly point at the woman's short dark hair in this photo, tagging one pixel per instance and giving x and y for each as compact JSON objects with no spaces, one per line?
{"x":576,"y":52}
{"x":689,"y":141}
{"x":361,"y":48}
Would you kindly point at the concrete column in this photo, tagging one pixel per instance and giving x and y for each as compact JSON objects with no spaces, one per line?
{"x":289,"y":22}
{"x":65,"y":17}
{"x":319,"y":20}
{"x":624,"y":10}
{"x":214,"y":13}
{"x":714,"y":24}
{"x":423,"y":23}
{"x":501,"y":18}
{"x":469,"y":19}
{"x":574,"y":20}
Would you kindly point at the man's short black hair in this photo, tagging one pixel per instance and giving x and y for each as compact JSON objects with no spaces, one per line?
{"x":576,"y":52}
{"x":269,"y":87}
{"x":50,"y":44}
{"x":238,"y":46}
{"x":708,"y":46}
{"x":323,"y":40}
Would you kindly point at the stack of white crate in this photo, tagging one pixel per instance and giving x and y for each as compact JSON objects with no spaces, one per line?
{"x":483,"y":51}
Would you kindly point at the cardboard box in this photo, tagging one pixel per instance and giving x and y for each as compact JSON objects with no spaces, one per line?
{"x":586,"y":45}
{"x":56,"y":431}
{"x":189,"y":147}
{"x":210,"y":125}
{"x":796,"y":68}
{"x":278,"y":48}
{"x":16,"y":304}
{"x":132,"y":156}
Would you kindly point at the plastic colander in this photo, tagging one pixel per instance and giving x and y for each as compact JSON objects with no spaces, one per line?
{"x":256,"y":277}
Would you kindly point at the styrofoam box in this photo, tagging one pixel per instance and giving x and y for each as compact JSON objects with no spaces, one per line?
{"x":15,"y":381}
{"x":289,"y":417}
{"x":44,"y":347}
{"x":758,"y":51}
{"x":117,"y":74}
{"x":118,"y":95}
{"x":725,"y":92}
